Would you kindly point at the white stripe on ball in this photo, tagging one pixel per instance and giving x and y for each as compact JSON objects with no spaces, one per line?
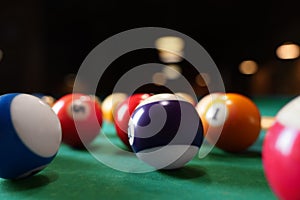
{"x":36,"y":124}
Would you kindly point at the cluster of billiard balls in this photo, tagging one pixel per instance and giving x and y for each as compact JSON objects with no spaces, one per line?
{"x":164,"y":130}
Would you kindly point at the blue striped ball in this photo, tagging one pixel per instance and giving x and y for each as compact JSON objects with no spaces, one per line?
{"x":30,"y":135}
{"x":165,"y":131}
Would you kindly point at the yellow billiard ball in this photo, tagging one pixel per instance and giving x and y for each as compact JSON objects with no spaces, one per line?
{"x":45,"y":98}
{"x":48,"y":100}
{"x":110,"y":103}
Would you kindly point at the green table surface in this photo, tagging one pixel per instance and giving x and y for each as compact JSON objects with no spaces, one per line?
{"x":77,"y":174}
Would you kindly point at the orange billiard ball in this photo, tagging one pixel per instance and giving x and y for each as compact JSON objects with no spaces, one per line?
{"x":231,"y":121}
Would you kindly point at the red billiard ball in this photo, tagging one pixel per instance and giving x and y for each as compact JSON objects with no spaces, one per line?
{"x":80,"y":116}
{"x":281,"y":152}
{"x":123,"y":112}
{"x":232,"y":122}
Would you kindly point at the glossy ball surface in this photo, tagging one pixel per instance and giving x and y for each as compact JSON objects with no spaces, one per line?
{"x":231,"y":121}
{"x":165,"y":131}
{"x":30,"y":135}
{"x":81,"y":118}
{"x":281,"y":152}
{"x":123,"y":113}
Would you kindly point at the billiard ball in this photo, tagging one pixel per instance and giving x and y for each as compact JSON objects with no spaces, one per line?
{"x":45,"y":98}
{"x":30,"y":135}
{"x":281,"y":152}
{"x":110,"y":103}
{"x":232,"y":121}
{"x":49,"y":100}
{"x":165,"y":131}
{"x":266,"y":122}
{"x":123,"y":113}
{"x":81,"y":118}
{"x":187,"y":97}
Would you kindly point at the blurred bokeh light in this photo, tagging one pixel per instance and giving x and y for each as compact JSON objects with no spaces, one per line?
{"x":288,"y":51}
{"x":43,"y":42}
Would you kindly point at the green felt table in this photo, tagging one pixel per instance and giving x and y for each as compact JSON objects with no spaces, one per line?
{"x":78,"y":174}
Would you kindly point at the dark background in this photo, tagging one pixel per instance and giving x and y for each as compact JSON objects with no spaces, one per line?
{"x":45,"y":42}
